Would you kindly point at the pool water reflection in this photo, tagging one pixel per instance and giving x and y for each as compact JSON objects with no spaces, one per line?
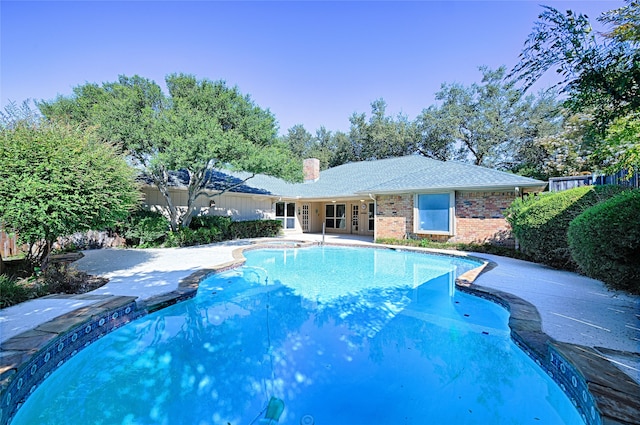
{"x":340,"y":335}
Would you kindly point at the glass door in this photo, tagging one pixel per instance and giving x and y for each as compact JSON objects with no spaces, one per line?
{"x":305,"y":217}
{"x":355,"y":211}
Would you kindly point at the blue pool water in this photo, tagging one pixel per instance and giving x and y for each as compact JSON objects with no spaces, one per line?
{"x":338,"y":335}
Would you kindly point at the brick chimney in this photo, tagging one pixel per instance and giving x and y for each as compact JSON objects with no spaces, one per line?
{"x":311,"y":170}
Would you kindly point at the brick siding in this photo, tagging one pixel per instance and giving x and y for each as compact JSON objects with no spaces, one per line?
{"x":479,"y":218}
{"x":394,"y":216}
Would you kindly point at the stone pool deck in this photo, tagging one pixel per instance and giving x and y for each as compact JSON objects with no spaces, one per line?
{"x":555,"y":315}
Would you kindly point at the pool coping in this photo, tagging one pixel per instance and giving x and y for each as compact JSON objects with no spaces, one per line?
{"x":601,"y":392}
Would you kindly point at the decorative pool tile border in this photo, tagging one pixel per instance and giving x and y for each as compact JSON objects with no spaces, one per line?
{"x":25,"y":366}
{"x":602,"y":393}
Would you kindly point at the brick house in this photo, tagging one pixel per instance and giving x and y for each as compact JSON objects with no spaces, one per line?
{"x":411,"y":196}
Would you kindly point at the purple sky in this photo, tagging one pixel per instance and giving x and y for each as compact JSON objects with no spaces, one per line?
{"x":310,"y":63}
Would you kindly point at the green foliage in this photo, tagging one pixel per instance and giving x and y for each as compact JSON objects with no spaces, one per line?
{"x":56,"y":180}
{"x":540,"y":223}
{"x":210,"y":229}
{"x":255,"y":229}
{"x":605,"y":241}
{"x":620,"y":149}
{"x":186,"y":236}
{"x":382,"y":136}
{"x":144,"y":228}
{"x":201,"y":126}
{"x":457,"y":246}
{"x":13,"y":292}
{"x":490,"y":124}
{"x":56,"y":279}
{"x":211,"y":221}
{"x":601,"y":75}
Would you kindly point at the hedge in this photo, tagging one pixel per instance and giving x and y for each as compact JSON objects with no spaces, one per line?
{"x":540,"y":223}
{"x":144,"y":228}
{"x":605,"y":241}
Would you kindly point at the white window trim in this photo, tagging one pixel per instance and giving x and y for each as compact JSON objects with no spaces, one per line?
{"x":452,"y":215}
{"x":285,"y":217}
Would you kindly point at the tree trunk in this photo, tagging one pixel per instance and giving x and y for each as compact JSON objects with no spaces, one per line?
{"x":1,"y":265}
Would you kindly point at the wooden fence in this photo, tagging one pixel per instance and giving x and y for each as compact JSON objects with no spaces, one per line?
{"x":622,"y":178}
{"x":8,"y":244}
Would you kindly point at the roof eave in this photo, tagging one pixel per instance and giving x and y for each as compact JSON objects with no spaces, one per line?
{"x":480,"y":188}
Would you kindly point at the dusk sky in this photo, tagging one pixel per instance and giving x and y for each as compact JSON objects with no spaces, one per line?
{"x":310,"y":63}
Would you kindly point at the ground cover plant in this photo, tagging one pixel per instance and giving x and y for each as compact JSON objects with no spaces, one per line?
{"x":605,"y":241}
{"x":21,"y":284}
{"x":486,"y":248}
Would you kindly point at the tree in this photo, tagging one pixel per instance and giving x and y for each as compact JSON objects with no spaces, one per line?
{"x":601,"y":75}
{"x":56,"y":180}
{"x":200,"y":127}
{"x":564,"y":153}
{"x":620,"y":149}
{"x":379,"y":137}
{"x":543,"y":118}
{"x":299,"y":141}
{"x":435,"y":134}
{"x":482,"y":121}
{"x":343,"y":150}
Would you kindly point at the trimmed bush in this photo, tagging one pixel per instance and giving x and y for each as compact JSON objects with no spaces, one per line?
{"x":254,"y":229}
{"x":605,"y":241}
{"x":540,"y":223}
{"x":211,"y":221}
{"x":144,"y":228}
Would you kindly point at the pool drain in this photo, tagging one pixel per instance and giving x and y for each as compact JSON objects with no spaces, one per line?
{"x":307,"y":420}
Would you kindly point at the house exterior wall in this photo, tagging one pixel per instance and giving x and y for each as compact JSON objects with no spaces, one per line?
{"x":478,"y":218}
{"x":237,"y":206}
{"x":394,"y":216}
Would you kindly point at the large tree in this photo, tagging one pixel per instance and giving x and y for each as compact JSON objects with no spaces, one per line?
{"x":481,"y":121}
{"x":601,"y":71}
{"x":382,"y":136}
{"x":56,"y":180}
{"x":201,"y":126}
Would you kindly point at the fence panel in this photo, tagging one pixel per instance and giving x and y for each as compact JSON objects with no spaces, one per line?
{"x":8,"y":244}
{"x":622,"y":178}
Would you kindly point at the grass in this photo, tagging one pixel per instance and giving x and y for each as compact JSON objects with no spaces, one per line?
{"x":470,"y":247}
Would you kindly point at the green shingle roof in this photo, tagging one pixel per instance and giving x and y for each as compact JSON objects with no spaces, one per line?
{"x":413,"y":173}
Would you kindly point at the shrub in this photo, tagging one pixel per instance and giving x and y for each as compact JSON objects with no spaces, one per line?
{"x":211,"y":221}
{"x":605,"y":241}
{"x":254,"y":229}
{"x":144,"y":228}
{"x":540,"y":223}
{"x":200,"y":236}
{"x":13,"y":292}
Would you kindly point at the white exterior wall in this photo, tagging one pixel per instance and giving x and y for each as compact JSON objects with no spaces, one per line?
{"x":237,"y":206}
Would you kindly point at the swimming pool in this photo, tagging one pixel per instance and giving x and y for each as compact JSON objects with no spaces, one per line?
{"x":337,"y":335}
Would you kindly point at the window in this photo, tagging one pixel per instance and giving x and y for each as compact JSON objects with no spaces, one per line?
{"x":335,"y":216}
{"x":286,"y":213}
{"x":434,"y":213}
